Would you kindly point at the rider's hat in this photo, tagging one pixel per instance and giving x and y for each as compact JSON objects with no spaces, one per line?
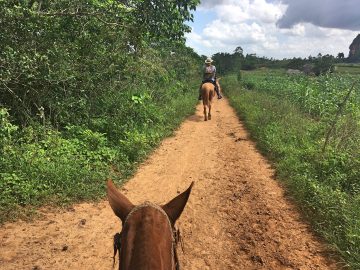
{"x":208,"y":60}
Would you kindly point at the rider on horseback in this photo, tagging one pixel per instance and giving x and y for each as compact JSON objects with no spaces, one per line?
{"x":209,"y":75}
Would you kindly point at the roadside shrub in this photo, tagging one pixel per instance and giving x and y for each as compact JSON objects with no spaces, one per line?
{"x":6,"y":128}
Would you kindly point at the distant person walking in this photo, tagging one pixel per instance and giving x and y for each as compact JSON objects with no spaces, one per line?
{"x":209,"y":75}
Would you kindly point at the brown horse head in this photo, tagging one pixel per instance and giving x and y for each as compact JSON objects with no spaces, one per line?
{"x":147,"y":236}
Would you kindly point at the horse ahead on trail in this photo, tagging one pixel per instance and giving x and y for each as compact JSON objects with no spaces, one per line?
{"x":148,"y":238}
{"x":207,"y":95}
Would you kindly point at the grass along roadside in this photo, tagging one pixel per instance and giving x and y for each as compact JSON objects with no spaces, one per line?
{"x":293,"y":141}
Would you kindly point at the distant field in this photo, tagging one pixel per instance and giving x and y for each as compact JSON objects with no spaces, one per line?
{"x":347,"y":68}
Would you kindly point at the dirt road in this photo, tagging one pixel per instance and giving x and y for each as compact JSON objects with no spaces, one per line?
{"x":237,"y":216}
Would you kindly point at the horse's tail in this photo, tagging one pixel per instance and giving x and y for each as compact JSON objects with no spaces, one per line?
{"x":205,"y":97}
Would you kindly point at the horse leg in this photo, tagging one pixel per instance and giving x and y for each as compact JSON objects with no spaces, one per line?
{"x":209,"y":115}
{"x":205,"y":115}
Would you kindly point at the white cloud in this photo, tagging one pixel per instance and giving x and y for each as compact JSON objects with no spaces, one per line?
{"x":232,"y":14}
{"x":297,"y":30}
{"x":238,"y":11}
{"x":197,"y":42}
{"x":306,"y":39}
{"x":252,"y":24}
{"x":266,"y":12}
{"x":232,"y":34}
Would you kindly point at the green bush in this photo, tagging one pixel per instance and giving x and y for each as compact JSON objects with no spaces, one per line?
{"x":6,"y":128}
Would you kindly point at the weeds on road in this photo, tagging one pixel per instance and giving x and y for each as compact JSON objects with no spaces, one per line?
{"x":292,"y":119}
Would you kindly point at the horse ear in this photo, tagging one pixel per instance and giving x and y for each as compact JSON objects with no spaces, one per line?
{"x":118,"y":202}
{"x":175,"y":207}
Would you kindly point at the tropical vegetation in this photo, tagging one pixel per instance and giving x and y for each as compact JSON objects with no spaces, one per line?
{"x":87,"y":89}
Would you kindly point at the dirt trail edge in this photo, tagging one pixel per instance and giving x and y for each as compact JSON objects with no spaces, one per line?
{"x":237,"y":216}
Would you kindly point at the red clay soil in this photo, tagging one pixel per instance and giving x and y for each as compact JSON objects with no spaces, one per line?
{"x":237,"y":217}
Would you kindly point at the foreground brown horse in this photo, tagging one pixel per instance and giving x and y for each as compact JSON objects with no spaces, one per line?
{"x":148,"y":236}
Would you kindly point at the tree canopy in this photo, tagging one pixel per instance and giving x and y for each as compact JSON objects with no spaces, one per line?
{"x":56,"y":55}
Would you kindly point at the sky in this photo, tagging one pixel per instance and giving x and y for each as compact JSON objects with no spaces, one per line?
{"x":275,"y":28}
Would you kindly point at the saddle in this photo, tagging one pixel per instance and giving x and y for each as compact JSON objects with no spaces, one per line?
{"x":209,"y":81}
